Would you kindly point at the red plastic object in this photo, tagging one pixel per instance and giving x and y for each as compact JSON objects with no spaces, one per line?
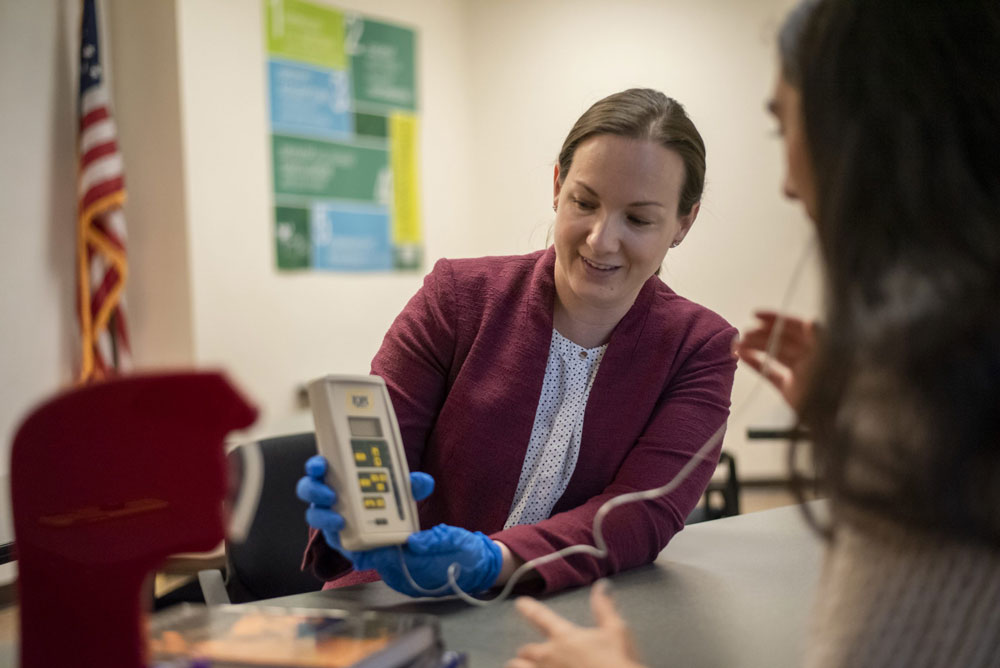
{"x":107,"y":481}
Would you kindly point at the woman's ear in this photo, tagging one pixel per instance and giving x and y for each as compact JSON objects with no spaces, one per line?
{"x":686,"y":222}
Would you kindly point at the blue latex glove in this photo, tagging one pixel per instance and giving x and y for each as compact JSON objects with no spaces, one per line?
{"x":312,"y":489}
{"x":427,"y":554}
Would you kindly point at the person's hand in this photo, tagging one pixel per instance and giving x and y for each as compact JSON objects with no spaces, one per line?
{"x":427,"y":555}
{"x":572,"y":646}
{"x":790,"y":367}
{"x":312,"y":489}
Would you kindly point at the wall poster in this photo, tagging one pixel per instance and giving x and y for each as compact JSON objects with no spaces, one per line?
{"x":344,"y":126}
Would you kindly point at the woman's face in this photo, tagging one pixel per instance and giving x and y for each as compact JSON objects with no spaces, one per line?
{"x":786,"y":106}
{"x":616,"y":216}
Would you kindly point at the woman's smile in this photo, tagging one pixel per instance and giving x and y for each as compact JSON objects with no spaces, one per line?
{"x":603,"y":269}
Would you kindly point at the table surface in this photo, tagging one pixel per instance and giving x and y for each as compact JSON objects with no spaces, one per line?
{"x":732,"y":592}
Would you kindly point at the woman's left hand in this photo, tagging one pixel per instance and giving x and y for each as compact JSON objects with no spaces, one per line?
{"x":427,"y":556}
{"x":608,"y":644}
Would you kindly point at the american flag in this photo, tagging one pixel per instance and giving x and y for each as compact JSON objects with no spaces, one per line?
{"x":102,"y":266}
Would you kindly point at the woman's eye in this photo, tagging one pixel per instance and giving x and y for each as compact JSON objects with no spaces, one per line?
{"x":586,"y":206}
{"x":638,"y":221}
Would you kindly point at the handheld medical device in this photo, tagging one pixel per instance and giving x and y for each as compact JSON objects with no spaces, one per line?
{"x":357,"y":433}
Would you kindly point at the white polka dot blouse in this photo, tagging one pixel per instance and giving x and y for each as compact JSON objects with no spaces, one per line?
{"x":555,"y":437}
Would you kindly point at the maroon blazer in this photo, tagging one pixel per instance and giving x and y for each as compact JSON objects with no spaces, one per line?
{"x":464,"y":364}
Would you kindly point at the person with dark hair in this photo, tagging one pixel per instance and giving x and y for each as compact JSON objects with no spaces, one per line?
{"x":890,"y":117}
{"x":534,"y":388}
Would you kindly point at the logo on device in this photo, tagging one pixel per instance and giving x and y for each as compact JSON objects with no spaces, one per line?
{"x":360,"y":400}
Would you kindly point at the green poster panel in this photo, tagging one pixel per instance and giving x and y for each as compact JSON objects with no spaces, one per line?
{"x":306,"y":32}
{"x":291,"y":237}
{"x":382,"y":63}
{"x":371,"y":125}
{"x":315,"y":168}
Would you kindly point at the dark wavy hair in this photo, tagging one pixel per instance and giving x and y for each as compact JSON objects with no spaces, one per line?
{"x":901,"y":107}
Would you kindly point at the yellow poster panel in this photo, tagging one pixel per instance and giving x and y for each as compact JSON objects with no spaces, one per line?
{"x":406,"y":228}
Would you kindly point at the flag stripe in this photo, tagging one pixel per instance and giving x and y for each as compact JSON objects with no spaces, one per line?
{"x":102,"y":170}
{"x":95,"y":116}
{"x":104,"y":348}
{"x":93,"y":98}
{"x":114,"y":224}
{"x":98,"y":267}
{"x":99,"y":151}
{"x":110,"y":303}
{"x":102,"y":190}
{"x":105,"y":286}
{"x":101,"y":132}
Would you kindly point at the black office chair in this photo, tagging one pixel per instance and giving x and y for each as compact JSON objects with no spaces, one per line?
{"x":722,"y":497}
{"x":265,"y":563}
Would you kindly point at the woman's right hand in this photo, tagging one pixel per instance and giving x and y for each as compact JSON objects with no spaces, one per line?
{"x":790,"y":368}
{"x":312,"y":489}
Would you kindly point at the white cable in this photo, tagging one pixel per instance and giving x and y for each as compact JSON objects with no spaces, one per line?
{"x":600,"y":550}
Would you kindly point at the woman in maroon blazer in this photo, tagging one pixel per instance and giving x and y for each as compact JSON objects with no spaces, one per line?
{"x":534,"y":388}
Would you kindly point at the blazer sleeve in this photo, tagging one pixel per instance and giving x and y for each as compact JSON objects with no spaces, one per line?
{"x":415,"y":360}
{"x":692,"y":408}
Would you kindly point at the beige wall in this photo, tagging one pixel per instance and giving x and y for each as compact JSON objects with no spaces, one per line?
{"x":37,"y":182}
{"x":37,"y":185}
{"x":144,"y":62}
{"x":500,"y":84}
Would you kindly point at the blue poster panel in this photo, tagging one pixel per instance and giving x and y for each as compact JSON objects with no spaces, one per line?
{"x":348,"y":237}
{"x":308,"y":100}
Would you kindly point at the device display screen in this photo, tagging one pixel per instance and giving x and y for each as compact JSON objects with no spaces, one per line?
{"x":365,"y":427}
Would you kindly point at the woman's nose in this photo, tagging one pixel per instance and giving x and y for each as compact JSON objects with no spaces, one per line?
{"x":603,"y":236}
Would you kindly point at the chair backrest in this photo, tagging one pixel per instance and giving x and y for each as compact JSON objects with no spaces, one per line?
{"x":727,"y":490}
{"x":266,"y":564}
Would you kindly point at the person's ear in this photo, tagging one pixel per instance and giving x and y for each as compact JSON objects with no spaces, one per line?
{"x":686,"y":222}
